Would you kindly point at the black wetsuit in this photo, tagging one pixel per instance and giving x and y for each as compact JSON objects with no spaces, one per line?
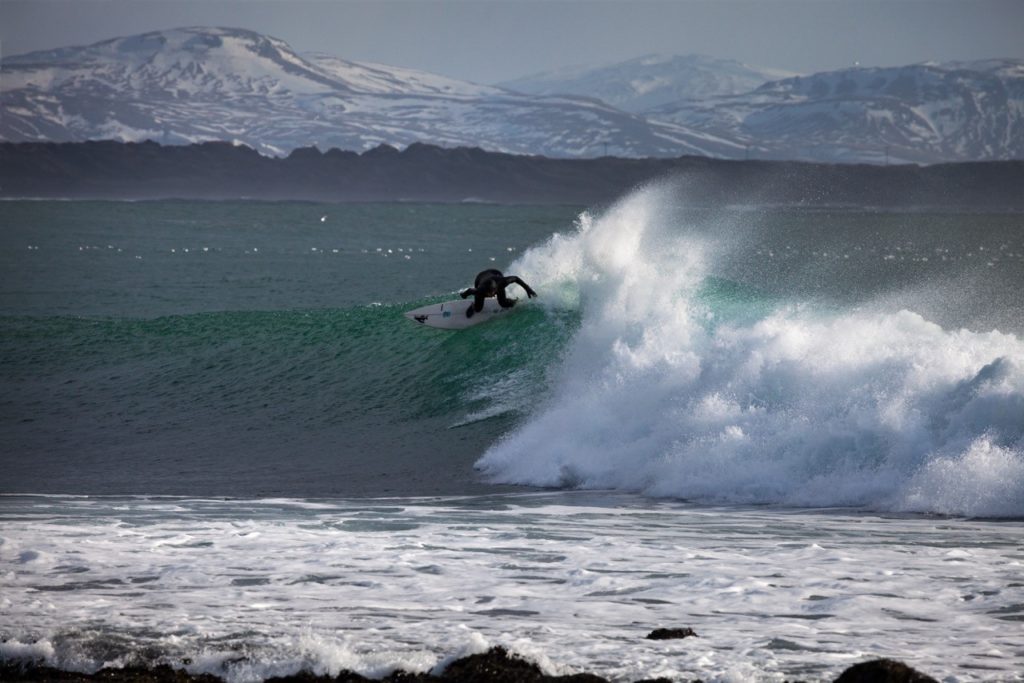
{"x":492,"y":283}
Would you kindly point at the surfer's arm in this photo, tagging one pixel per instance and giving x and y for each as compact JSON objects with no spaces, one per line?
{"x":515,"y":279}
{"x":467,"y":293}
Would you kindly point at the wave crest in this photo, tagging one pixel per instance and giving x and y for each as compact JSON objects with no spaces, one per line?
{"x":884,"y":410}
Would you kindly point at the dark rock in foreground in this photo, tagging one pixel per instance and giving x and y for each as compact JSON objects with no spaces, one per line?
{"x":671,"y":633}
{"x":496,"y":665}
{"x":883,"y":671}
{"x":157,"y":674}
{"x":499,"y":666}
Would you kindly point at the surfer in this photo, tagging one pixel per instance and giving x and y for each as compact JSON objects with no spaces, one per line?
{"x":490,"y":283}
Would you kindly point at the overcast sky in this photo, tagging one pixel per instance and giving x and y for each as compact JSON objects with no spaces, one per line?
{"x":488,"y":41}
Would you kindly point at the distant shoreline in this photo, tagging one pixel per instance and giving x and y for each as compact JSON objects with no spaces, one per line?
{"x":425,"y":173}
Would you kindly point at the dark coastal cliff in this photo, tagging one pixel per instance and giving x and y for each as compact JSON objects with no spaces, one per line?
{"x":214,"y":170}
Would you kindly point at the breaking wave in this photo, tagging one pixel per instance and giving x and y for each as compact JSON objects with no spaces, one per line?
{"x":671,"y":388}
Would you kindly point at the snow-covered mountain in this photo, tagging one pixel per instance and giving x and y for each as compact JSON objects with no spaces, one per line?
{"x":195,"y":84}
{"x":920,"y":113}
{"x":644,"y":83}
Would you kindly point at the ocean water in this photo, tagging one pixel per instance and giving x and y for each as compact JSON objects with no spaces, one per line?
{"x":798,"y":431}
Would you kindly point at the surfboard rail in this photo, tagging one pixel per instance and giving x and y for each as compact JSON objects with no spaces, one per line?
{"x":451,"y":315}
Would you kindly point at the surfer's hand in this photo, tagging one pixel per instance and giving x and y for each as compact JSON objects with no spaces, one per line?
{"x":464,"y":293}
{"x":530,"y":293}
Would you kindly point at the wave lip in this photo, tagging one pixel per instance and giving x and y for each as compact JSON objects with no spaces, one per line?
{"x":797,"y":406}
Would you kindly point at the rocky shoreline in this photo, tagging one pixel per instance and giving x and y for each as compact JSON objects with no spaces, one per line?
{"x":496,"y":665}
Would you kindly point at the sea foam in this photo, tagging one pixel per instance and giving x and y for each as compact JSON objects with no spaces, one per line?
{"x":570,"y":580}
{"x":797,"y":405}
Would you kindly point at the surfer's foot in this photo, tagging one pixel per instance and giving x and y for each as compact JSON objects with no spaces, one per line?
{"x":470,"y":312}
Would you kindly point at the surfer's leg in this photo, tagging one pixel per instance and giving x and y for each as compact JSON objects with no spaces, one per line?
{"x":503,"y":300}
{"x":477,"y":305}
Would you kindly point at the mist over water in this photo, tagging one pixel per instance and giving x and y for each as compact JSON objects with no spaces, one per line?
{"x":838,"y":392}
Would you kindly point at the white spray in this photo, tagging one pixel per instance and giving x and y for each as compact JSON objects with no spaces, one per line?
{"x":882,"y":410}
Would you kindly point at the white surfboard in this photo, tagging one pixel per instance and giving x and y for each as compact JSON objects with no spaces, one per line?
{"x":451,"y":315}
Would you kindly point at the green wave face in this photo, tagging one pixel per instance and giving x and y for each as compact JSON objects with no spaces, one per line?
{"x":224,"y":393}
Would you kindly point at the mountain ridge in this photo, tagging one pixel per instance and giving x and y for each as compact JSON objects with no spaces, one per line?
{"x":923,"y":113}
{"x":643,"y":83}
{"x":196,"y":84}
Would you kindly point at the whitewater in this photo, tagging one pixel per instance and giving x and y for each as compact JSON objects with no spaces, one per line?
{"x":574,"y":581}
{"x":782,"y":403}
{"x":797,"y":431}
